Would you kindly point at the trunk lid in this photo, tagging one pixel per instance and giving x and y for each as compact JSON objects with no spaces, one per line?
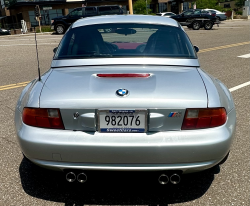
{"x":168,"y":89}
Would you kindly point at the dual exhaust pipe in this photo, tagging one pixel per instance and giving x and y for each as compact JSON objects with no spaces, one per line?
{"x":163,"y":178}
{"x":71,"y":177}
{"x":174,"y":179}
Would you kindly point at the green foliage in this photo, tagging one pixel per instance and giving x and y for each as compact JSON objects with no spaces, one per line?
{"x":203,"y":4}
{"x":139,"y":7}
{"x":238,"y":12}
{"x":226,"y":9}
{"x":208,"y":4}
{"x":239,"y":3}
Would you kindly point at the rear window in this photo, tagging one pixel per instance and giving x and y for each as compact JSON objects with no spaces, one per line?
{"x":125,"y":40}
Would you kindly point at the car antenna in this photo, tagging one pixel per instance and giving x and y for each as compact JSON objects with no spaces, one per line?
{"x":39,"y":73}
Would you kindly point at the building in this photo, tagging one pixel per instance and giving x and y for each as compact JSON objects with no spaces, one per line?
{"x":227,"y":4}
{"x":13,"y":11}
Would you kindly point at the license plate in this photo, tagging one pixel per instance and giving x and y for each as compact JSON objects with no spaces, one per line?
{"x":123,"y":121}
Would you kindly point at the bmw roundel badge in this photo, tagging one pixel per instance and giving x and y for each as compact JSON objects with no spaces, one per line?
{"x":122,"y":92}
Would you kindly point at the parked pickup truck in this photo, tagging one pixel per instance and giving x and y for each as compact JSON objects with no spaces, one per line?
{"x":196,"y":19}
{"x":62,"y":23}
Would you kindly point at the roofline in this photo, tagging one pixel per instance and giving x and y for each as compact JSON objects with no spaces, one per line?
{"x":126,"y":19}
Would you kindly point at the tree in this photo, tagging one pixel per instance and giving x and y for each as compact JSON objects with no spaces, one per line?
{"x":208,"y":4}
{"x":140,"y":7}
{"x":239,"y":3}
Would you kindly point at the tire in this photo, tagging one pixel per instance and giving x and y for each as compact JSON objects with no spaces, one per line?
{"x":218,"y":18}
{"x":108,"y":30}
{"x":208,"y":25}
{"x":60,"y":29}
{"x":196,"y":25}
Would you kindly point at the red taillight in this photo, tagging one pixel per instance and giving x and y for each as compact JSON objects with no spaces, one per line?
{"x":213,"y":14}
{"x":47,"y":118}
{"x":204,"y":118}
{"x":140,"y":75}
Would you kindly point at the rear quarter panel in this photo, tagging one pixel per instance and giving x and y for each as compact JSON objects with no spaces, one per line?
{"x":218,"y":94}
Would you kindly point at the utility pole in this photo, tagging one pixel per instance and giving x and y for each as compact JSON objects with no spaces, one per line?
{"x":130,"y":6}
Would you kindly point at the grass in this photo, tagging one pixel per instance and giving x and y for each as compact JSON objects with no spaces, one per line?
{"x":44,"y":29}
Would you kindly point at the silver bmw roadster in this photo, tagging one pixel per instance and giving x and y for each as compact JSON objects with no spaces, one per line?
{"x":132,"y":99}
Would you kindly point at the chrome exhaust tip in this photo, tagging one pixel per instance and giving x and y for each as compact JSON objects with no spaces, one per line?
{"x":81,"y":177}
{"x":163,"y":179}
{"x":70,"y":177}
{"x":175,"y":179}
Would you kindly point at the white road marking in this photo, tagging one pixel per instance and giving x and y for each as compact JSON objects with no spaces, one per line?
{"x":29,"y":44}
{"x":239,"y":86}
{"x":28,"y":39}
{"x":245,"y":56}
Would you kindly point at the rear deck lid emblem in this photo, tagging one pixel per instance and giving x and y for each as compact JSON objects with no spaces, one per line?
{"x":122,"y":92}
{"x":174,"y":114}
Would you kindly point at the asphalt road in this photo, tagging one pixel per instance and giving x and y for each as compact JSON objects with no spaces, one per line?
{"x":22,"y":183}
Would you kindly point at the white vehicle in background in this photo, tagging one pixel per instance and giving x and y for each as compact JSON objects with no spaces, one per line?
{"x":166,"y":14}
{"x":221,"y":16}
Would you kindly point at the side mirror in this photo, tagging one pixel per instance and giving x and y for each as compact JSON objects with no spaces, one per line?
{"x":182,"y":14}
{"x":196,"y":49}
{"x":55,"y":49}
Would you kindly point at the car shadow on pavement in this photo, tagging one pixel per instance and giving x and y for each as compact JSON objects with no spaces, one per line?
{"x":113,"y":188}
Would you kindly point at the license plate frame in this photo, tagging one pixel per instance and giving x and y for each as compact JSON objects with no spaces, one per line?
{"x":123,"y":129}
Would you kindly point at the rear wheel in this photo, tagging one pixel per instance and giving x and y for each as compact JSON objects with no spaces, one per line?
{"x":208,"y":25}
{"x":196,"y":25}
{"x":60,"y":29}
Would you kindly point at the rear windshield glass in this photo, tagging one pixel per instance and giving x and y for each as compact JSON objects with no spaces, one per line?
{"x":125,"y":40}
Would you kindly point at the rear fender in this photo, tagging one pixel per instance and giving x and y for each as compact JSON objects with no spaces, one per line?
{"x":31,"y":93}
{"x":218,"y":93}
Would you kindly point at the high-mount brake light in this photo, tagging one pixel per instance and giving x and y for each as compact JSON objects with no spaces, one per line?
{"x":46,"y":118}
{"x":204,"y":118}
{"x":139,"y":75}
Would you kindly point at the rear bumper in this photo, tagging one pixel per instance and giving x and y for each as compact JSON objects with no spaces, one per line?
{"x":189,"y":151}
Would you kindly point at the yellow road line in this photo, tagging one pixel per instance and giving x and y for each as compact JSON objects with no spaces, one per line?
{"x":23,"y":85}
{"x":12,"y":86}
{"x":224,"y":47}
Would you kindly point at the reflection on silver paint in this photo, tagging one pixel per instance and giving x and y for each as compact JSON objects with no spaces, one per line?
{"x":212,"y":92}
{"x":218,"y":93}
{"x":32,"y":95}
{"x":156,"y":120}
{"x":125,"y":61}
{"x":159,"y":120}
{"x":125,"y":19}
{"x":169,"y":87}
{"x":87,"y":120}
